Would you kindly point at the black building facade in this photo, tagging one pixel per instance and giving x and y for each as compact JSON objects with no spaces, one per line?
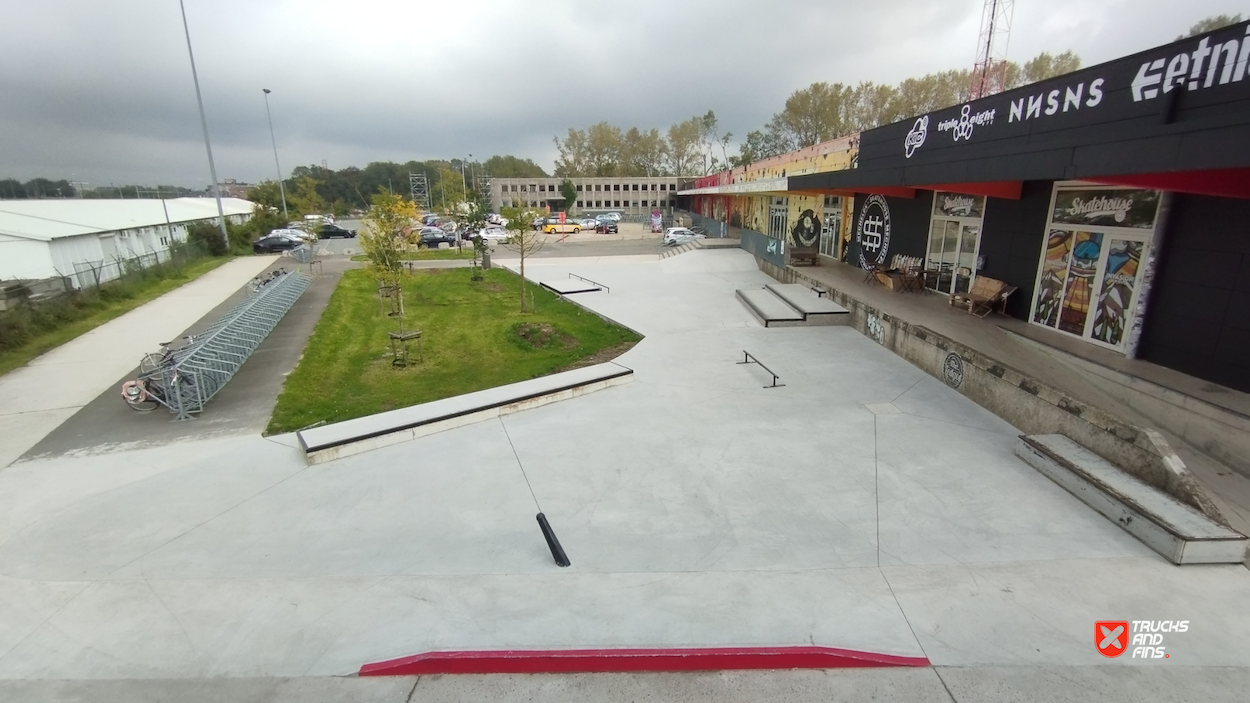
{"x":1116,"y":199}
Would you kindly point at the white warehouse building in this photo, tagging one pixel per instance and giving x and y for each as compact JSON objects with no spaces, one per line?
{"x":86,"y":240}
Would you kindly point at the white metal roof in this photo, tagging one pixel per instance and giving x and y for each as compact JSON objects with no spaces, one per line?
{"x":48,"y":219}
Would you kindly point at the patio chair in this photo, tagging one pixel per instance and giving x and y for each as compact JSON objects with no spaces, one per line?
{"x":985,"y":294}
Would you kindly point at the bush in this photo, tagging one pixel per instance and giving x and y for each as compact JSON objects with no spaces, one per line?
{"x":208,"y":237}
{"x":263,"y":222}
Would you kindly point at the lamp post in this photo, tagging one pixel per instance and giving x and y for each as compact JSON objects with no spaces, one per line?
{"x":281,"y":188}
{"x":212,"y":170}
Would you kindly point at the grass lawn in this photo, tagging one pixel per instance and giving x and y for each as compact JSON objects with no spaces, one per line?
{"x":47,"y":341}
{"x":474,"y":338}
{"x":430,"y":255}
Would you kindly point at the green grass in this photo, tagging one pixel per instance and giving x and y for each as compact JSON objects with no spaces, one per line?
{"x":471,"y":338}
{"x":429,"y":255}
{"x":101,"y":311}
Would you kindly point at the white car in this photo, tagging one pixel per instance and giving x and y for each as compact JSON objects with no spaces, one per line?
{"x":613,"y":216}
{"x":680,"y":235}
{"x":494,"y":233}
{"x":588,"y":223}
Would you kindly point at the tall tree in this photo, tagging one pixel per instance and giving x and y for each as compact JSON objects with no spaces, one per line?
{"x":1044,"y":66}
{"x":525,"y":241}
{"x":684,"y":147}
{"x":509,"y":166}
{"x":569,"y":191}
{"x":1211,"y":24}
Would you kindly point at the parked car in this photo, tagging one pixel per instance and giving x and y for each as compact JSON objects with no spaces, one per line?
{"x":680,"y":235}
{"x":493,"y":233}
{"x":293,"y":233}
{"x":537,"y":223}
{"x":332,"y":230}
{"x":613,"y":216}
{"x":553,"y":225}
{"x":275,"y":241}
{"x":433,"y":236}
{"x":606,"y":227}
{"x":588,"y":222}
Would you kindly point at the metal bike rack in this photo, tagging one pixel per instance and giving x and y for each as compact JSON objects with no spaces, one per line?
{"x":200,"y":369}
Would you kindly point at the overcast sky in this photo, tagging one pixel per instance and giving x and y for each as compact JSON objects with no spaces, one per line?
{"x":101,"y":91}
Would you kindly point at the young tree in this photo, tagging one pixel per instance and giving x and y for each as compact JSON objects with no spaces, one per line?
{"x":569,"y":191}
{"x":524,"y":241}
{"x":387,"y":235}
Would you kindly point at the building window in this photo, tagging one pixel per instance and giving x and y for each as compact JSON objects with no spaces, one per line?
{"x":616,"y":186}
{"x":663,"y":186}
{"x":635,"y":186}
{"x":164,"y":241}
{"x":579,"y":203}
{"x":579,"y":187}
{"x":652,"y":186}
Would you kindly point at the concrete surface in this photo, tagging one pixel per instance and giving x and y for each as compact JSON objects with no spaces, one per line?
{"x":37,"y":398}
{"x":864,"y":505}
{"x":242,"y":407}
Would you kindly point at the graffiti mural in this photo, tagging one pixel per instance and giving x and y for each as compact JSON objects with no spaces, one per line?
{"x":1087,"y":247}
{"x":1118,"y":283}
{"x":806,"y":230}
{"x":1054,"y":273}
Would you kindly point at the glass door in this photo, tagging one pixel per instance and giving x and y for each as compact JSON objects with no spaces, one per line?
{"x":830,"y":226}
{"x":954,"y":236}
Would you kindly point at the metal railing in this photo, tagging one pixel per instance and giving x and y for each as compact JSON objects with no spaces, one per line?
{"x":749,"y":358}
{"x":198,"y":371}
{"x":587,"y":280}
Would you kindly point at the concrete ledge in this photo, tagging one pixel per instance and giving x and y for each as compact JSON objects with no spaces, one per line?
{"x":362,"y":434}
{"x":549,"y":661}
{"x":770,"y":310}
{"x":567,"y":286}
{"x":1179,"y":533}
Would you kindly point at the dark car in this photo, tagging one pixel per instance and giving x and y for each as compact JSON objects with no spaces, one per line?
{"x":433,"y":236}
{"x":274,"y":242}
{"x":606,"y":227}
{"x":330,"y":229}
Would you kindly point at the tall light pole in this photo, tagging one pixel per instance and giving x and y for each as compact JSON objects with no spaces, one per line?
{"x":212,"y":170}
{"x":281,"y":188}
{"x":471,"y":178}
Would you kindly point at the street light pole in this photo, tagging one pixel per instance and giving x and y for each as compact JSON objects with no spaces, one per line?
{"x":281,"y":188}
{"x":212,"y":170}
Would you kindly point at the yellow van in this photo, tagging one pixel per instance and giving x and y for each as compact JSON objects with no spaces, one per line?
{"x":552,"y":225}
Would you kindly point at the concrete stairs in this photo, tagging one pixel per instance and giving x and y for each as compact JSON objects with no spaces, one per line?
{"x":1177,"y":531}
{"x":792,"y":305}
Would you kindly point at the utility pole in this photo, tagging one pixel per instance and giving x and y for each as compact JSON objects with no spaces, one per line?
{"x":212,"y":170}
{"x":281,"y":188}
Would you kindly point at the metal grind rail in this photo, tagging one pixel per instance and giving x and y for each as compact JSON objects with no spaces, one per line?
{"x":587,"y":280}
{"x":749,"y":358}
{"x":201,"y":368}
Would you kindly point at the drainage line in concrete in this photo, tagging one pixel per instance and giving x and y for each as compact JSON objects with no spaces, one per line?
{"x":557,"y":552}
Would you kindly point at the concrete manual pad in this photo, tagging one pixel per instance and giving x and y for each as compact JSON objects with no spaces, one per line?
{"x":567,"y":286}
{"x":698,"y":509}
{"x":769,"y":309}
{"x":802,"y":298}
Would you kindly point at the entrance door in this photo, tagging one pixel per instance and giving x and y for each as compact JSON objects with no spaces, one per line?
{"x":831,"y":226}
{"x":954,"y":236}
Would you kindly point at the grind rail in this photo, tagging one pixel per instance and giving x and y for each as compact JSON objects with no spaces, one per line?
{"x":749,"y":358}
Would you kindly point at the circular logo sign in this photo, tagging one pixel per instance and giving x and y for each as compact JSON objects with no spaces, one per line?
{"x":872,"y":232}
{"x":806,"y":231}
{"x":953,"y":370}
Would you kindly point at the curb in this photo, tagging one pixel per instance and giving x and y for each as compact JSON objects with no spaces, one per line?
{"x":576,"y":661}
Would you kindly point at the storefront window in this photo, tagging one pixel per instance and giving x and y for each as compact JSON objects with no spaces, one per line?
{"x":1094,"y":249}
{"x":830,"y":226}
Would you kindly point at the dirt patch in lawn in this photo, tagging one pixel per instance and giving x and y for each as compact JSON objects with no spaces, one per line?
{"x":542,"y":335}
{"x":603,"y":355}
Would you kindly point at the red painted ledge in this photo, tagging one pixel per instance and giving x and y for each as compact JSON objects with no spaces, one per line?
{"x":568,"y":661}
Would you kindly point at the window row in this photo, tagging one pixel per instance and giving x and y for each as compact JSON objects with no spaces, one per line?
{"x":532,"y":188}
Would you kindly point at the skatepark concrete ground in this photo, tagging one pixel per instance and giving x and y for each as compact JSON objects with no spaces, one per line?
{"x":863,"y":505}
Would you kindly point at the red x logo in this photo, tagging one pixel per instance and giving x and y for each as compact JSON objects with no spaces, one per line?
{"x":1111,"y":637}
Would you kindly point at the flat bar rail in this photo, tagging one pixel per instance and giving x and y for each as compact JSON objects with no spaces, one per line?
{"x":587,"y":280}
{"x":201,"y":368}
{"x":749,"y":358}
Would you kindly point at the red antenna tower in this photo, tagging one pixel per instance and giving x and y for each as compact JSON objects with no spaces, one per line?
{"x":989,"y":73}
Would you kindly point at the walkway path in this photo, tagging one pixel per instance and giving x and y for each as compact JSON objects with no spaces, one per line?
{"x":37,"y":398}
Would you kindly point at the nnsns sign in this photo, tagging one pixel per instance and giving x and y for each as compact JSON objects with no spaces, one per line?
{"x":872,"y":232}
